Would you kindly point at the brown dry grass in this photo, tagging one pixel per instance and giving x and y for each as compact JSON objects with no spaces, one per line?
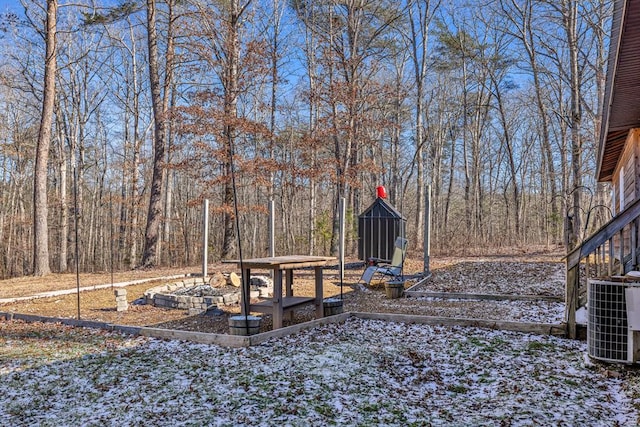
{"x":100,"y":305}
{"x":29,"y":285}
{"x":97,"y":305}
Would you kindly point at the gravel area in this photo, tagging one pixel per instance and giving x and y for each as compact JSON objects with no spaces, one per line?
{"x":499,"y":277}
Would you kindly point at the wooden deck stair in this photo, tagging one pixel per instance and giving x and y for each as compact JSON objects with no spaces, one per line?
{"x":612,"y":250}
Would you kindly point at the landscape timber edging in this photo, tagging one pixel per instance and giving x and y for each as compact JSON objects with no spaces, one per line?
{"x":410,"y":292}
{"x":199,"y":337}
{"x":419,"y":282}
{"x":32,"y":318}
{"x":224,"y":340}
{"x":485,"y":297}
{"x":227,"y":340}
{"x":294,"y":329}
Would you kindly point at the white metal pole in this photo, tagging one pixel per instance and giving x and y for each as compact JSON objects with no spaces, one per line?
{"x":343,"y":214}
{"x":205,"y":237}
{"x":75,"y":223}
{"x":272,"y":228}
{"x":427,"y":231}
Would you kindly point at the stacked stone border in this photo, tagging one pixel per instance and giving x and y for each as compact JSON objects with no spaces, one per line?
{"x":163,"y":296}
{"x":242,"y":341}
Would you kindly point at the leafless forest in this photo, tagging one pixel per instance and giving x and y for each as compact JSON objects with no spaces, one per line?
{"x":119,"y":117}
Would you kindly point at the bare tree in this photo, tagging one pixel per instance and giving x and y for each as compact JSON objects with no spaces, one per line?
{"x":40,"y":203}
{"x":390,"y":91}
{"x":421,"y":13}
{"x":160,"y":105}
{"x":353,"y":34}
{"x":522,"y":17}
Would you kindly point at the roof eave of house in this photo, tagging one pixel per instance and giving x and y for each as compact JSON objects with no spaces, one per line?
{"x":617,"y":24}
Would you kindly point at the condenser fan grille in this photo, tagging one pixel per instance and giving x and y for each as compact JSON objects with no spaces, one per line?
{"x":607,"y":321}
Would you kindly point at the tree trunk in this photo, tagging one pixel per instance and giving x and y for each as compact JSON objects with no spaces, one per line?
{"x":512,"y":162}
{"x":231,"y":113}
{"x":521,"y":14}
{"x":40,"y":204}
{"x":571,"y":22}
{"x":159,"y":106}
{"x":63,"y":195}
{"x":419,"y":54}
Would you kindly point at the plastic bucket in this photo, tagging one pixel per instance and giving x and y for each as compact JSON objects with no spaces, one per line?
{"x":394,"y":289}
{"x":332,"y":307}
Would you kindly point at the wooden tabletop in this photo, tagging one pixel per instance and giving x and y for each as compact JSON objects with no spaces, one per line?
{"x":284,"y":262}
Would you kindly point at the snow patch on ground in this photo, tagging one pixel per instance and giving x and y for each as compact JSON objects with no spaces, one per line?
{"x":498,"y":277}
{"x":517,"y":311}
{"x":362,"y":372}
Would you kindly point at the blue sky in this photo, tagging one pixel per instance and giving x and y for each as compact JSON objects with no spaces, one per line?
{"x":10,"y":6}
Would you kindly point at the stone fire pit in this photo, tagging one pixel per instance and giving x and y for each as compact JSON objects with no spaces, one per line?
{"x":198,"y":294}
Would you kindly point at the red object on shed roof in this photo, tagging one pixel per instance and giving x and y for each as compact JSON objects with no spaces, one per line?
{"x":381,"y":192}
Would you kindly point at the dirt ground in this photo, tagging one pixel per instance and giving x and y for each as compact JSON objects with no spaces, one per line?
{"x":522,"y":272}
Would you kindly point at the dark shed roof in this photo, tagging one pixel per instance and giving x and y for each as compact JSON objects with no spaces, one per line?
{"x":381,"y":209}
{"x":621,"y":106}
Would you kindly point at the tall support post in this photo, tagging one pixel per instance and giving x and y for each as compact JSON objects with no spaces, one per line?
{"x":427,"y":231}
{"x":571,"y":291}
{"x":634,"y":245}
{"x":75,"y":223}
{"x":621,"y":253}
{"x":343,"y":214}
{"x":205,"y":237}
{"x":272,"y":228}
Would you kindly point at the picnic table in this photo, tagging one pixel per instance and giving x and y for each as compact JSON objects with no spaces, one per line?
{"x":283,"y":266}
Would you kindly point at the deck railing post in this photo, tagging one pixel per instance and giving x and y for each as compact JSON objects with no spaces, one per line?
{"x":587,"y":266}
{"x":621,"y":253}
{"x":611,"y":256}
{"x":573,"y":280}
{"x":634,"y":244}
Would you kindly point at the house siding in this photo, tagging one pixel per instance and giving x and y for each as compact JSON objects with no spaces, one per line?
{"x":627,"y":172}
